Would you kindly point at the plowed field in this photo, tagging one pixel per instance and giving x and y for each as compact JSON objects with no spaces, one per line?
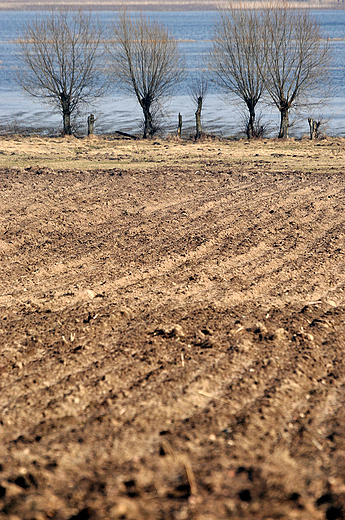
{"x":172,"y":330}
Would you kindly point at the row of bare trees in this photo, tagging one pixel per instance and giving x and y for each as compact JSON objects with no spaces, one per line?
{"x":68,"y":61}
{"x":276,"y":53}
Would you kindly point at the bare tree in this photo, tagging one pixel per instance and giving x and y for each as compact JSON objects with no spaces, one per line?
{"x":145,"y":61}
{"x":198,"y":92}
{"x":237,"y":48}
{"x":297,"y":59}
{"x":314,"y":128}
{"x":61,"y":55}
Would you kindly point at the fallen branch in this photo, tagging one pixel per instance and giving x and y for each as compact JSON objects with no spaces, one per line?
{"x":124,"y":134}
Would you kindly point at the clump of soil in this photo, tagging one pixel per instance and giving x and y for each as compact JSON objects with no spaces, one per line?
{"x":172,"y":334}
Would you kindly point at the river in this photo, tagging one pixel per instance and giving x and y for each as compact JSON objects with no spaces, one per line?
{"x":115,"y":111}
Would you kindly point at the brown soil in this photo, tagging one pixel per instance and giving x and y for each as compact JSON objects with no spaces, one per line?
{"x":172,"y":330}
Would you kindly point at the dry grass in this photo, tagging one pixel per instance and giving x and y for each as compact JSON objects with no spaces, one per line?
{"x":102,"y":153}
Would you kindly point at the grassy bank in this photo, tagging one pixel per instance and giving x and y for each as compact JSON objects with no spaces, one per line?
{"x":105,"y":153}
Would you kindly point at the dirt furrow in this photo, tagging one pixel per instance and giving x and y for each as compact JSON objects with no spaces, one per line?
{"x":172,"y":343}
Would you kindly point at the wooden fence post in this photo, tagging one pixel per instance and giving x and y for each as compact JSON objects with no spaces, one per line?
{"x":90,"y":124}
{"x":179,"y":128}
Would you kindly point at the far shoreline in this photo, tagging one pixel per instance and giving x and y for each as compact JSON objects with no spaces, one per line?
{"x":152,"y":5}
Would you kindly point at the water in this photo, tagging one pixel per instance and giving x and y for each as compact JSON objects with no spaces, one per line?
{"x":116,"y":111}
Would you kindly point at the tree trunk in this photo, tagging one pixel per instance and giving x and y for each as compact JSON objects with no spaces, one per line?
{"x":198,"y":119}
{"x":67,"y":130}
{"x":314,"y":128}
{"x":250,"y":130}
{"x":148,"y":123}
{"x":284,"y":123}
{"x":66,"y":113}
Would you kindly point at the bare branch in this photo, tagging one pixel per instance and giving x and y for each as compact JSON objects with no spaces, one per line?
{"x":198,"y":91}
{"x":198,"y":88}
